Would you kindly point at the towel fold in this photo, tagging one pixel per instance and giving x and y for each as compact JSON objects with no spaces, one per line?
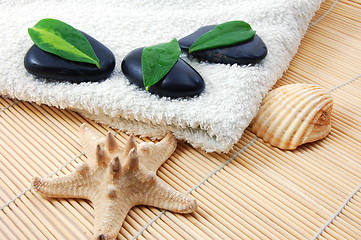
{"x":213,"y":121}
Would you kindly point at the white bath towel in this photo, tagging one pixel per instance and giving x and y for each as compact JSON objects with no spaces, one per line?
{"x":213,"y":121}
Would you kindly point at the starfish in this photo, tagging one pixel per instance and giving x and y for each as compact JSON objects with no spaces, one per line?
{"x":116,"y":179}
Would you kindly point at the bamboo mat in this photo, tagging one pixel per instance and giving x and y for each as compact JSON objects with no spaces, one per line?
{"x":254,"y":192}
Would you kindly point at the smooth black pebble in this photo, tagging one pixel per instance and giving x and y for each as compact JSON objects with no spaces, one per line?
{"x":249,"y":52}
{"x":47,"y":65}
{"x":181,"y":81}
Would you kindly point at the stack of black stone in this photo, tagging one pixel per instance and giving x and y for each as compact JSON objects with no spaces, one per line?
{"x":181,"y":81}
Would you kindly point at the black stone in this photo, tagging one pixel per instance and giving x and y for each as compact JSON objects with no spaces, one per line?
{"x":249,"y":52}
{"x":181,"y":81}
{"x":47,"y":65}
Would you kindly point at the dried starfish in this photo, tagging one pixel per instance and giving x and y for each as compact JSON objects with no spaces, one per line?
{"x":115,"y":180}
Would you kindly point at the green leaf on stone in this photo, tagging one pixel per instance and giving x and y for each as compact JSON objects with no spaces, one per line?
{"x":158,"y":60}
{"x":63,"y":40}
{"x":225,"y":34}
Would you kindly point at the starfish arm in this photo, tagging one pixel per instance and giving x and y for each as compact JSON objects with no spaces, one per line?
{"x":109,"y":214}
{"x":153,"y":155}
{"x":71,"y":185}
{"x":89,"y":139}
{"x":161,"y":195}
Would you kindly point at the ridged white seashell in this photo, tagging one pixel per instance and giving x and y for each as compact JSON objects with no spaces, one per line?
{"x":294,"y":114}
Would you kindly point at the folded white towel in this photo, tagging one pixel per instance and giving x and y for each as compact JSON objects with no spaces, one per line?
{"x":213,"y":121}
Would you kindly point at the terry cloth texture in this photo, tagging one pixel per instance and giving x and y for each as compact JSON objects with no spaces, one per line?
{"x":213,"y":121}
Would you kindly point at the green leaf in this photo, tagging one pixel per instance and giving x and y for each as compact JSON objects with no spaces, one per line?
{"x":158,"y":60}
{"x":225,"y":34}
{"x":63,"y":40}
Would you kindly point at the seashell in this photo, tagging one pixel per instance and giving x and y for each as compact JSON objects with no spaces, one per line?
{"x":294,"y":114}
